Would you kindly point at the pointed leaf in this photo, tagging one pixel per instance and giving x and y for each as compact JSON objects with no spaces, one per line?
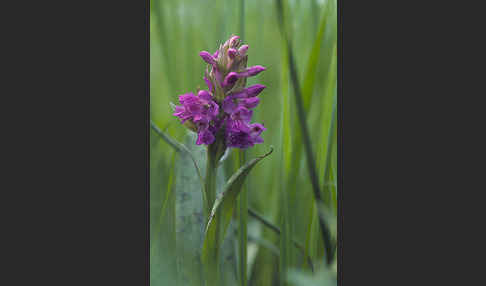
{"x":220,"y":218}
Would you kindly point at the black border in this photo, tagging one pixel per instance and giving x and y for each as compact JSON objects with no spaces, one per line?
{"x":147,"y":138}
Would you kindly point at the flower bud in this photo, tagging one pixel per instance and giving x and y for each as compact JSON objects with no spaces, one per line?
{"x":251,"y":102}
{"x":230,"y":79}
{"x":252,"y":71}
{"x":254,"y":90}
{"x":234,"y":41}
{"x":242,"y":50}
{"x":204,"y":94}
{"x":207,"y":57}
{"x":232,"y":53}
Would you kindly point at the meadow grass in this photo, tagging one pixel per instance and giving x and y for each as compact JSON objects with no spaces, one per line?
{"x":282,"y":188}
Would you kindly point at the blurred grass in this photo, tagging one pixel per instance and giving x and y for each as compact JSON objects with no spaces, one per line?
{"x":180,"y":29}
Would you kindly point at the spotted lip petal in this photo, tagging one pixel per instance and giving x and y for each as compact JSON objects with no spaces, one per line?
{"x":205,"y":137}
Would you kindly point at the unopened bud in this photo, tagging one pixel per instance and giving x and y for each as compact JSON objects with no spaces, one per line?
{"x":232,"y":53}
{"x":254,"y":90}
{"x":230,"y":79}
{"x":254,"y":70}
{"x":207,"y":57}
{"x":242,"y":50}
{"x":234,"y":41}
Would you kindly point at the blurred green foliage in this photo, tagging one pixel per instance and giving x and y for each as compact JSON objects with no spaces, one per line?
{"x":279,"y":186}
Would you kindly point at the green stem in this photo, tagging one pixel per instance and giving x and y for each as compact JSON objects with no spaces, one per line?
{"x":243,"y":221}
{"x":213,"y":154}
{"x":210,"y":180}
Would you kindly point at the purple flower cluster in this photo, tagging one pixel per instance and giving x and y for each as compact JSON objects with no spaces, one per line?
{"x":224,"y":111}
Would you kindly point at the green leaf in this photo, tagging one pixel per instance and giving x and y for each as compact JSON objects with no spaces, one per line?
{"x":274,"y":228}
{"x":179,"y":147}
{"x":189,"y":215}
{"x":310,"y":75}
{"x":220,"y":218}
{"x":190,"y":221}
{"x":162,"y":217}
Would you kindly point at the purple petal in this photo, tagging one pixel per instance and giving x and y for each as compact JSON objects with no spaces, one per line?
{"x":186,"y":97}
{"x":204,"y":94}
{"x":205,"y":137}
{"x":240,"y":94}
{"x":208,"y":83}
{"x":234,"y":41}
{"x":230,"y":79}
{"x":252,"y":71}
{"x":237,"y":126}
{"x":242,"y":50}
{"x":194,"y":107}
{"x":229,"y":105}
{"x":232,"y":53}
{"x":242,"y":113}
{"x":207,"y":57}
{"x":179,"y":111}
{"x":213,"y":109}
{"x":258,"y":140}
{"x":202,"y":122}
{"x":250,"y":102}
{"x":239,"y":139}
{"x":254,"y":90}
{"x":256,"y":129}
{"x":217,"y":75}
{"x":218,"y":123}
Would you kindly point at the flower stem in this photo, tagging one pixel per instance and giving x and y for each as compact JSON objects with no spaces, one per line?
{"x":242,"y":206}
{"x":210,"y":180}
{"x":212,"y":268}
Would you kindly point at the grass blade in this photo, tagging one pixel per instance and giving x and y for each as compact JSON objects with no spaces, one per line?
{"x":242,"y":206}
{"x":285,"y":258}
{"x":220,"y":218}
{"x":242,"y":203}
{"x":305,"y":133}
{"x":310,"y":75}
{"x":275,"y":228}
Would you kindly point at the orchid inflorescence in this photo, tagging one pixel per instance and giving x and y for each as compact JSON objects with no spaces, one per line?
{"x":224,"y":111}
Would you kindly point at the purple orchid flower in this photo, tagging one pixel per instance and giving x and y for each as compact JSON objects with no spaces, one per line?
{"x":224,"y":112}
